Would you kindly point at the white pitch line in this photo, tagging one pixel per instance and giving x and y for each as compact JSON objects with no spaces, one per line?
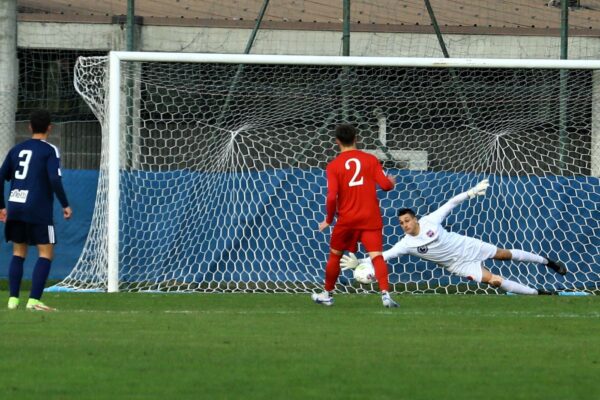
{"x":401,"y":312}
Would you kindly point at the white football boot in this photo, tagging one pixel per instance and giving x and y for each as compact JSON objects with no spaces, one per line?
{"x":322,"y":298}
{"x":387,"y":301}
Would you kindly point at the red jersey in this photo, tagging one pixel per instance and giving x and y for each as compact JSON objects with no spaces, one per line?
{"x":351,"y":189}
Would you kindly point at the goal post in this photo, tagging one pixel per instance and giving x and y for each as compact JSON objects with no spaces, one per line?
{"x":236,"y":165}
{"x":114,"y":165}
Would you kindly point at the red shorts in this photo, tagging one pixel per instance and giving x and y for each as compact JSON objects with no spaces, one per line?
{"x":343,"y":238}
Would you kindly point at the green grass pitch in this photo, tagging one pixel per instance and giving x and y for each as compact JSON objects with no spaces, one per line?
{"x":282,"y":346}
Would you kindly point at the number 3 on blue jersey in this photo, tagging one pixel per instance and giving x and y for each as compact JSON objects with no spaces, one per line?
{"x":354,"y":181}
{"x":25,"y":157}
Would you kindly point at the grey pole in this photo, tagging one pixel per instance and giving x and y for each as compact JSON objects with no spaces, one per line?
{"x":564,"y":79}
{"x":261,"y":15}
{"x":455,"y":79}
{"x":346,"y":28}
{"x":346,"y":52}
{"x":130,"y":25}
{"x":240,"y":68}
{"x":9,"y":68}
{"x":564,"y":29}
{"x":129,"y":87}
{"x":436,"y":28}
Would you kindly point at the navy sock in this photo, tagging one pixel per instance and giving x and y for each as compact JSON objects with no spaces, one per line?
{"x":15,"y":275}
{"x":40,"y":275}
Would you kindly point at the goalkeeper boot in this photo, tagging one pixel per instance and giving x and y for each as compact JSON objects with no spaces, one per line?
{"x":13,"y":303}
{"x":36,"y":305}
{"x":323,"y":298}
{"x":557,"y":267}
{"x":387,"y":301}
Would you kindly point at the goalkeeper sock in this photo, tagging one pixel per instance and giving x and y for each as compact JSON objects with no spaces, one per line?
{"x":332,"y":271}
{"x":520,"y":255}
{"x":40,"y":275}
{"x":381,"y":273}
{"x":15,"y":275}
{"x":515,"y":287}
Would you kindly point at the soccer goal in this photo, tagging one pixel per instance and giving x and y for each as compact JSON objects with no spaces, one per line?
{"x":212,"y":174}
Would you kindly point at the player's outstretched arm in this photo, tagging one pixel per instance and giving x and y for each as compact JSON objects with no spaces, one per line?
{"x":479,"y":189}
{"x":350,"y":261}
{"x":396,"y":251}
{"x":441,"y":213}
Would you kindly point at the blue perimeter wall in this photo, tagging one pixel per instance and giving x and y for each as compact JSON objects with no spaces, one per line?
{"x":550,"y":199}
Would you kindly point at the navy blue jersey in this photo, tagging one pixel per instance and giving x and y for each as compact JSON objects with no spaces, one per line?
{"x":33,"y":169}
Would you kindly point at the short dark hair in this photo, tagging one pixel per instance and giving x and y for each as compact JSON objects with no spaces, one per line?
{"x":346,"y":134}
{"x":408,"y":211}
{"x":40,"y":121}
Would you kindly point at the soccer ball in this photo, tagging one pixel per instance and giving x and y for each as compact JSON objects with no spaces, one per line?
{"x":364,"y":273}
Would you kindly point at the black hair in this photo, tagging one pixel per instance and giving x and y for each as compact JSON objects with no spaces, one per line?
{"x":346,"y":134}
{"x":40,"y":121}
{"x":408,"y":211}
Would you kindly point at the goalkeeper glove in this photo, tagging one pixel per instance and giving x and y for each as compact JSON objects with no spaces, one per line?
{"x":349,"y":261}
{"x":479,"y":189}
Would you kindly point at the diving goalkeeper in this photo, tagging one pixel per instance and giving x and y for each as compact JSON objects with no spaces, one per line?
{"x":459,"y":254}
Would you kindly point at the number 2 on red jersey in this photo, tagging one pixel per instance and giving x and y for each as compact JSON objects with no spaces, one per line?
{"x":355,"y":181}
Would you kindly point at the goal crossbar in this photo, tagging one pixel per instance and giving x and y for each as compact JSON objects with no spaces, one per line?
{"x":355,"y":61}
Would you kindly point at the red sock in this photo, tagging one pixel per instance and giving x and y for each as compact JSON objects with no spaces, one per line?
{"x":381,"y":273}
{"x":332,"y":271}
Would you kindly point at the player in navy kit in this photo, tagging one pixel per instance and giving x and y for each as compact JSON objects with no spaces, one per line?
{"x":33,"y":169}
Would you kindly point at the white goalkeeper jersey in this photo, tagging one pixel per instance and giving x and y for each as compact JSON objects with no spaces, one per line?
{"x":436,"y":244}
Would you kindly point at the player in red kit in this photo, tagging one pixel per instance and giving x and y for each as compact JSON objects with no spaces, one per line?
{"x":351,"y":191}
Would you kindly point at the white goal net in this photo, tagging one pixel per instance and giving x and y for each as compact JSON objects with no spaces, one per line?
{"x":221,"y":180}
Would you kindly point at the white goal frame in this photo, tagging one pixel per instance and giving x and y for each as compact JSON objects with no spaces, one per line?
{"x":114,"y":111}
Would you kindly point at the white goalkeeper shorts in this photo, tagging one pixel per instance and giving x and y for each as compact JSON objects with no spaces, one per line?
{"x":472,"y":269}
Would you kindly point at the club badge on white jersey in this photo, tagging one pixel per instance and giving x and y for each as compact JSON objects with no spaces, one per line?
{"x":428,"y":233}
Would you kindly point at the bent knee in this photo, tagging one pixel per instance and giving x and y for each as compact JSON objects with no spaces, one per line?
{"x":503,"y":254}
{"x":495,"y":280}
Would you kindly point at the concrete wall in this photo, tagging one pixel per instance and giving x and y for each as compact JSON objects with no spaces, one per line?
{"x":219,"y":40}
{"x":46,"y":35}
{"x":227,"y":40}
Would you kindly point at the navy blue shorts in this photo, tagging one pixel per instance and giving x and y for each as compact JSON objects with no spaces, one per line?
{"x":32,"y":234}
